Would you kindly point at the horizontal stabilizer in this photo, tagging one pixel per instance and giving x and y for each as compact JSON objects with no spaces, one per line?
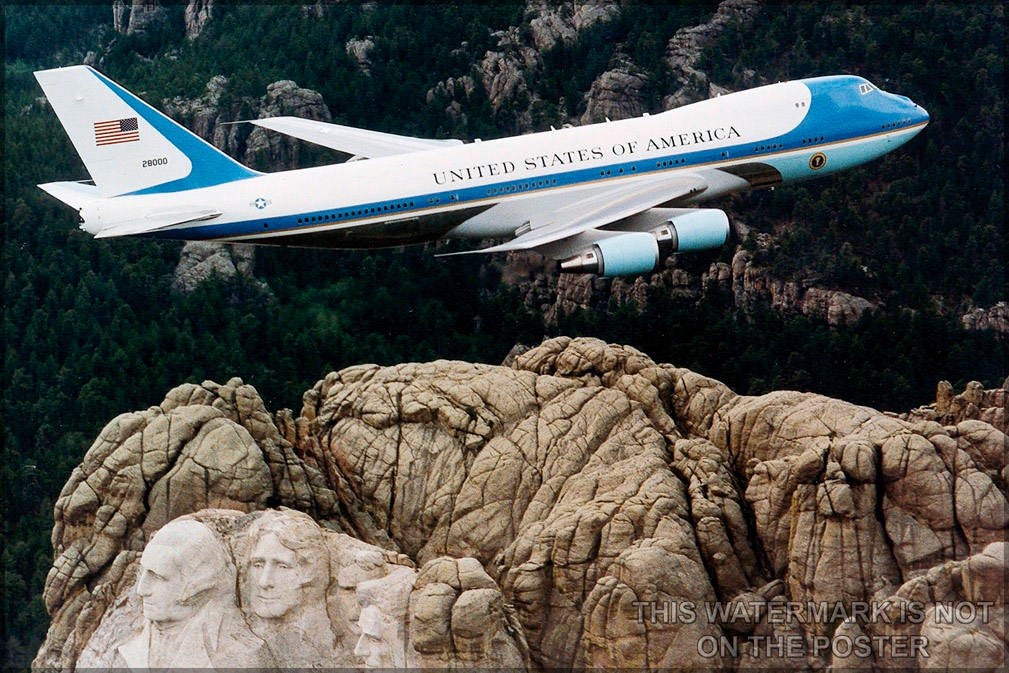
{"x":359,"y":142}
{"x":74,"y":194}
{"x":157,"y":221}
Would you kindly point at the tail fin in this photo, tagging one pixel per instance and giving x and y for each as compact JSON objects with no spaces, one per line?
{"x":127,"y":146}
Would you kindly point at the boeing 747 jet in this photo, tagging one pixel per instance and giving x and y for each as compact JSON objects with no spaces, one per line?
{"x":613,"y":198}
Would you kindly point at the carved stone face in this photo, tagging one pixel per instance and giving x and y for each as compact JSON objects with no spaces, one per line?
{"x":162,"y":586}
{"x":372,"y":649}
{"x":277,"y":578}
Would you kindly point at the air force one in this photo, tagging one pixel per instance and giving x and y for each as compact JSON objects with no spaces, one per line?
{"x":613,"y":198}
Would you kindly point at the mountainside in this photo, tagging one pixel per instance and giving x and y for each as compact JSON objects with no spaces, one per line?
{"x":868,"y":286}
{"x":601,"y":507}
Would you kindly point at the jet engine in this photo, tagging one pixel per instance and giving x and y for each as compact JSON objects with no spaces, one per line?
{"x":641,"y":251}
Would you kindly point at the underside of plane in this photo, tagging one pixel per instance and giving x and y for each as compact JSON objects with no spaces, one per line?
{"x":612,"y":199}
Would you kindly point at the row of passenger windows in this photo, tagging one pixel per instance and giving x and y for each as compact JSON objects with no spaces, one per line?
{"x":507,"y":189}
{"x":329,"y":217}
{"x":893,"y":125}
{"x":620,"y":171}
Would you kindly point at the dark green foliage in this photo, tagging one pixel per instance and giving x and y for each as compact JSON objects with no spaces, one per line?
{"x":926,"y":220}
{"x":886,"y":360}
{"x":93,"y":329}
{"x":29,"y":30}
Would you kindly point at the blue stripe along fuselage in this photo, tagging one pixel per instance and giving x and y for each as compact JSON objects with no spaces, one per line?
{"x":840,"y":111}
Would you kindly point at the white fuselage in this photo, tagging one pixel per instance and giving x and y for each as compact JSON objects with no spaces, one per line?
{"x":425,"y":195}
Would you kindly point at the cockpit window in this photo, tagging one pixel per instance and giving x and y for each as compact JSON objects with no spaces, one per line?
{"x":865,"y":88}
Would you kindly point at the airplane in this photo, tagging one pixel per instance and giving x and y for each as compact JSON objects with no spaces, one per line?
{"x":612,"y":198}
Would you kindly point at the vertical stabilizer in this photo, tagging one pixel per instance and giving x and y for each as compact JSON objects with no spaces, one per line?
{"x":127,"y":146}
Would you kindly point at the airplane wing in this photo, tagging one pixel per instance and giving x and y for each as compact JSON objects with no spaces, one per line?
{"x":157,"y":221}
{"x":589,"y":210}
{"x":359,"y":142}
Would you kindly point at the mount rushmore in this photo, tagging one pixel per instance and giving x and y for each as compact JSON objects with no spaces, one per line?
{"x":580,"y":506}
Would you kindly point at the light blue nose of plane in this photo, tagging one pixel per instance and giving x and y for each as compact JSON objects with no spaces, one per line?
{"x":919,"y":114}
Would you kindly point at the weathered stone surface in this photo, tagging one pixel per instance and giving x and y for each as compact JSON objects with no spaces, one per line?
{"x":359,"y":49}
{"x":561,"y":22}
{"x":506,"y":69}
{"x":951,"y":618}
{"x":685,"y":48}
{"x":994,"y":318}
{"x":973,"y":404}
{"x":754,"y":286}
{"x":202,"y":260}
{"x":616,"y":94}
{"x":198,"y":12}
{"x":559,"y":508}
{"x":140,"y":16}
{"x":459,"y":616}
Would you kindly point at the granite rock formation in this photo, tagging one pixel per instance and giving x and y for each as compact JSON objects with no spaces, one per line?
{"x":138,"y":17}
{"x":359,"y":49}
{"x":993,"y":318}
{"x":582,"y":507}
{"x":506,"y":70}
{"x":201,"y":260}
{"x":751,"y":286}
{"x":197,"y":14}
{"x":684,"y":50}
{"x":616,"y":93}
{"x":973,"y":404}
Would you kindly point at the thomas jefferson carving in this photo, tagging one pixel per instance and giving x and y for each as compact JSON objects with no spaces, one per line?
{"x":287,"y":582}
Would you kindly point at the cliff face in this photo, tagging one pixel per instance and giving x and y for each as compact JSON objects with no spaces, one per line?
{"x":551,"y":294}
{"x":143,"y":14}
{"x":584,"y":506}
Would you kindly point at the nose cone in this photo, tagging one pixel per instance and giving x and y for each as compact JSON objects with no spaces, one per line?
{"x":919,"y":118}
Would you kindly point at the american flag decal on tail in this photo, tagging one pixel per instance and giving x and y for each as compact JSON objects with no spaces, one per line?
{"x":117,"y":131}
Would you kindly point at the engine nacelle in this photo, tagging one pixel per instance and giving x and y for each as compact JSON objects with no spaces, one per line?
{"x":641,"y":251}
{"x":702,"y":229}
{"x":621,"y":255}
